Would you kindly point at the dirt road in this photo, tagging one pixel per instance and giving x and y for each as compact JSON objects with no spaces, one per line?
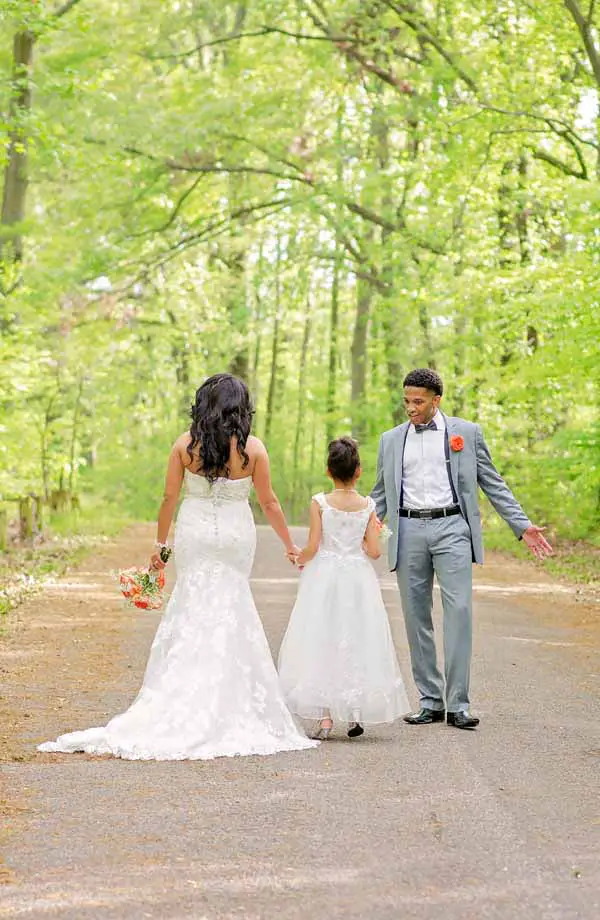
{"x":412,"y":823}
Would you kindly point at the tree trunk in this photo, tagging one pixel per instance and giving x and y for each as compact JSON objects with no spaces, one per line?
{"x":331,"y":403}
{"x":301,"y":395}
{"x":257,"y":277}
{"x":44,"y":459}
{"x":181,"y":361}
{"x":38,"y":511}
{"x":74,"y":436}
{"x":364,"y":296}
{"x":237,"y":301}
{"x":425,"y":325}
{"x":331,"y":400}
{"x":523,"y":212}
{"x":587,"y":32}
{"x":459,"y":388}
{"x":506,"y":225}
{"x":393,"y":333}
{"x":274,"y":346}
{"x":26,"y":518}
{"x":16,"y":176}
{"x":3,"y":530}
{"x":238,"y":314}
{"x":508,"y":243}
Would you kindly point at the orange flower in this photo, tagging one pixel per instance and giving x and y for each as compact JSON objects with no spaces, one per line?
{"x":456,"y":442}
{"x":142,"y":588}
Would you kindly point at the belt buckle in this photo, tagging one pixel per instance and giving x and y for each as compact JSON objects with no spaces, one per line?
{"x":426,"y":514}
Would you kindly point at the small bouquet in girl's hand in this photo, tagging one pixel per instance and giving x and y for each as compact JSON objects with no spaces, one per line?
{"x":142,"y":588}
{"x":384,"y":533}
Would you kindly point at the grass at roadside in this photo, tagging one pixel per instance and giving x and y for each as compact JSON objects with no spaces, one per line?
{"x":576,"y":561}
{"x":71,"y":535}
{"x":67,"y":538}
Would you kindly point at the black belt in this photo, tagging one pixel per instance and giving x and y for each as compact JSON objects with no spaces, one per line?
{"x":429,"y":512}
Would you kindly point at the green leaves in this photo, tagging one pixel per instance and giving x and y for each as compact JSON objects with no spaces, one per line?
{"x":432,"y":161}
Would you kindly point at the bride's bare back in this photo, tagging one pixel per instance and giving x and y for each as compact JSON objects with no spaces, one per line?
{"x":254,"y":448}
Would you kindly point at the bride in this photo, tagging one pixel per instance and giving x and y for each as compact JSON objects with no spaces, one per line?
{"x":210,"y":687}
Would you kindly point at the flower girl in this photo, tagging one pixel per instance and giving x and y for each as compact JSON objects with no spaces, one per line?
{"x":337,"y":658}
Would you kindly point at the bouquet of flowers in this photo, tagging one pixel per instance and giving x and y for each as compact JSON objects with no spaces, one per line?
{"x":142,"y":588}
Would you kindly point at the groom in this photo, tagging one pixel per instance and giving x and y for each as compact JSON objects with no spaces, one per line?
{"x":428,"y":471}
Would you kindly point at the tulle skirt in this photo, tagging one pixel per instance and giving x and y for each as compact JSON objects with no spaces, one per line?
{"x":337,"y":657}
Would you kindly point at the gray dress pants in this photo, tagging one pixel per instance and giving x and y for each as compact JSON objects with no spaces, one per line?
{"x":441,"y":546}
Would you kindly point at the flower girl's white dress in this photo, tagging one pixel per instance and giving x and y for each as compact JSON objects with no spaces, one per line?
{"x":337,"y":657}
{"x":210,"y":687}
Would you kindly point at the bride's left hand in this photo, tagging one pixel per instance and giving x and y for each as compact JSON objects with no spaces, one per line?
{"x":156,"y":562}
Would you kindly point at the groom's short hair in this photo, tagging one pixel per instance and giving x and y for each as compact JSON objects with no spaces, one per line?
{"x":426,"y":378}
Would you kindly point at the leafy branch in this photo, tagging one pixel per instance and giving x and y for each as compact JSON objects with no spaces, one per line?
{"x":584,"y":26}
{"x":238,"y":36}
{"x":65,"y":8}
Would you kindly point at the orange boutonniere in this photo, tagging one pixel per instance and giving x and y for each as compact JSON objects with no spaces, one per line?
{"x":456,"y":442}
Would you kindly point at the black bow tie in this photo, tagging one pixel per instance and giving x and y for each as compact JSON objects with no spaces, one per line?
{"x":420,"y":428}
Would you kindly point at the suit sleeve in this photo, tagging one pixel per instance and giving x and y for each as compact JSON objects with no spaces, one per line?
{"x":378,"y":490}
{"x":492,"y":484}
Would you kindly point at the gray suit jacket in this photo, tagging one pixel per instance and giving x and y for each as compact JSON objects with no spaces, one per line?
{"x":469,"y":468}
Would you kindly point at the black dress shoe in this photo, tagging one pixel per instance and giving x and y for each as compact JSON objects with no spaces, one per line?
{"x":425,"y":717}
{"x":462,"y":720}
{"x":355,"y":730}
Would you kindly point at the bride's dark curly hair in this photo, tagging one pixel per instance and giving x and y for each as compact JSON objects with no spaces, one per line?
{"x":222,"y":411}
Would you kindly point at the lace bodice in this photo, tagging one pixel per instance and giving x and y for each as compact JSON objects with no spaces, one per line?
{"x":343,"y":531}
{"x":215,"y":524}
{"x":222,"y":490}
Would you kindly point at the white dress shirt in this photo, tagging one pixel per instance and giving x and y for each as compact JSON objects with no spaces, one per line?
{"x":425,"y":482}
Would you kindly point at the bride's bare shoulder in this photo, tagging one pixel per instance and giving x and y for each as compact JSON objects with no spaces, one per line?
{"x":254,"y":443}
{"x":181,"y":447}
{"x":255,"y":447}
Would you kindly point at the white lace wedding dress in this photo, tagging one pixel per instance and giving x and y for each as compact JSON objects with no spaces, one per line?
{"x":210,"y":687}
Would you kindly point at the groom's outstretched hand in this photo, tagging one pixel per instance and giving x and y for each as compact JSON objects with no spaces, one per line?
{"x":536,"y":541}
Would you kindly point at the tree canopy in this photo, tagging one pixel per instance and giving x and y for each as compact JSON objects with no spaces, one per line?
{"x":317,"y":195}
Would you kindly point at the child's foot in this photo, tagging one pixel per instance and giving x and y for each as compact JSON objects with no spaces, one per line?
{"x":355,"y":730}
{"x":323,"y":730}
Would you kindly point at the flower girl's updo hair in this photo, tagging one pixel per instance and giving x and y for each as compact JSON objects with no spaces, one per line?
{"x":222,"y":411}
{"x":343,"y":459}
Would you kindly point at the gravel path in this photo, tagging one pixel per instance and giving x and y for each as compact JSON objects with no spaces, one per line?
{"x":406,"y":823}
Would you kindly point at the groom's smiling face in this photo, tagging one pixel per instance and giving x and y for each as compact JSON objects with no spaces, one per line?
{"x":420,"y":404}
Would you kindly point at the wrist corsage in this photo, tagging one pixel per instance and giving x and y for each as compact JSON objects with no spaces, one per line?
{"x":164,"y":551}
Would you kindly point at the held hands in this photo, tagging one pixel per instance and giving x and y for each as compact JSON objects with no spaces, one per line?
{"x":298,"y":557}
{"x":536,"y":541}
{"x":292,"y":554}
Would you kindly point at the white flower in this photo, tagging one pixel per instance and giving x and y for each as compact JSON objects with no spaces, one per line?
{"x":385,"y":533}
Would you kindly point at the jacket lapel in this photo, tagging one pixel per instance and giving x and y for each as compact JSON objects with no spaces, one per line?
{"x":453,"y":454}
{"x":399,"y":443}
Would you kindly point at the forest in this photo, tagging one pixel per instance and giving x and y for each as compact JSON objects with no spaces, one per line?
{"x":318,"y":196}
